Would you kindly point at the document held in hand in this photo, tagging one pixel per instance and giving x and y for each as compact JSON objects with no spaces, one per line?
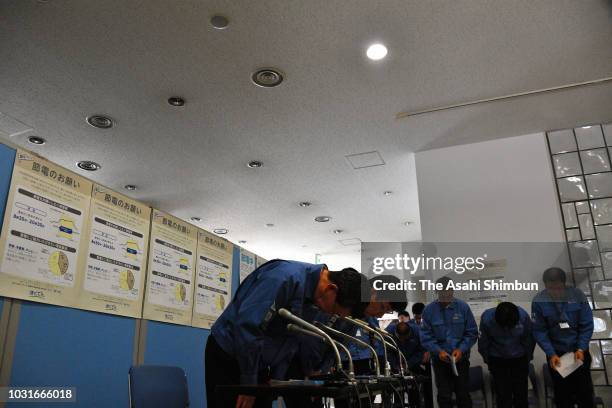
{"x":568,"y":365}
{"x":454,"y":366}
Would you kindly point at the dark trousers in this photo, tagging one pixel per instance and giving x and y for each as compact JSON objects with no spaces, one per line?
{"x":426,"y":386}
{"x":576,"y":388}
{"x":221,"y":368}
{"x":510,"y":380}
{"x":448,"y":383}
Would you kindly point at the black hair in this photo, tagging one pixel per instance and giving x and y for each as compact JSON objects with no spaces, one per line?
{"x":402,"y":328}
{"x":507,"y":314}
{"x":396,"y":298}
{"x":403,"y":313}
{"x":554,"y":275}
{"x":418,"y":308}
{"x":444,"y":281}
{"x":349,"y":283}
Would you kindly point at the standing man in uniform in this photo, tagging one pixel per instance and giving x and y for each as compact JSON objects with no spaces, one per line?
{"x":449,"y":331}
{"x":506,"y":345}
{"x":563,"y":323}
{"x":249,"y":343}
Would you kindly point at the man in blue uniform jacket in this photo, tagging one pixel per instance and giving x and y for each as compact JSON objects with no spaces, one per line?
{"x":506,"y":345}
{"x":448,"y":332}
{"x":407,"y":336}
{"x":249,"y":342}
{"x":563,"y":323}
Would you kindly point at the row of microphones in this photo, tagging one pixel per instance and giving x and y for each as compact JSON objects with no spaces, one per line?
{"x":324,"y":333}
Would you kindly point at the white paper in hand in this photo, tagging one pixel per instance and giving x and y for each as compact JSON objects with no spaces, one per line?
{"x":454,"y":366}
{"x":568,"y":365}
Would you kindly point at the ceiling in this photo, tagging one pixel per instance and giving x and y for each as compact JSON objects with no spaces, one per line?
{"x":62,"y":60}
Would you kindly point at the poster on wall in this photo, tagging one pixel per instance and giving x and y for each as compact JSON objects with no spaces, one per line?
{"x":260,"y":261}
{"x":481,"y":300}
{"x":115,"y":262}
{"x":213,"y":288}
{"x":247,"y":263}
{"x":170,"y":272}
{"x":42,"y":235}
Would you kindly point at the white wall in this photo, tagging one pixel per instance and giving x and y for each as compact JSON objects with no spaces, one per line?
{"x":500,"y":191}
{"x":496,"y":191}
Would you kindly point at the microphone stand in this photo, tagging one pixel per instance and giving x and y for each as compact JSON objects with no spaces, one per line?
{"x":354,"y":340}
{"x":297,"y":329}
{"x":367,"y":327}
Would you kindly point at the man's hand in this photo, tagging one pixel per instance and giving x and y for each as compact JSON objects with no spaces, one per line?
{"x":443,"y":356}
{"x":426,"y":357}
{"x":554,"y":362}
{"x":579,"y":355}
{"x":245,"y":401}
{"x":458,"y":354}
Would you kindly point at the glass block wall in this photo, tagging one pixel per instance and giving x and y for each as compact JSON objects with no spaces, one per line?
{"x":583,"y":173}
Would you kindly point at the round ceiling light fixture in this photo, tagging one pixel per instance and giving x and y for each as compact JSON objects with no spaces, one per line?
{"x":408,"y":223}
{"x":100,"y":121}
{"x":254,"y":164}
{"x":196,"y":219}
{"x":219,"y":22}
{"x":338,"y":231}
{"x":36,"y":140}
{"x":176,"y":101}
{"x":130,"y":187}
{"x":305,"y":204}
{"x":220,"y":231}
{"x":267,"y":77}
{"x":387,"y":193}
{"x":88,"y":165}
{"x":376,"y":52}
{"x":322,"y":218}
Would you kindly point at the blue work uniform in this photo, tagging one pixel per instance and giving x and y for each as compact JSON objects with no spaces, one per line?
{"x":362,"y":353}
{"x":449,"y":328}
{"x":507,"y":343}
{"x":564,"y":326}
{"x":411,"y":347}
{"x":251,"y":331}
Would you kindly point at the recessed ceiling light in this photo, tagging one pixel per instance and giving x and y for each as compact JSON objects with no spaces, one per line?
{"x":587,"y":127}
{"x":255,"y":164}
{"x":196,"y":219}
{"x":305,"y":204}
{"x":176,"y":101}
{"x":130,"y":187}
{"x":221,"y":231}
{"x":322,"y":218}
{"x":338,"y":231}
{"x":388,"y":193}
{"x":269,"y":225}
{"x":36,"y":140}
{"x":408,"y":223}
{"x":219,"y":22}
{"x":100,"y":121}
{"x":376,"y":52}
{"x":242,"y":242}
{"x":267,"y":77}
{"x":88,"y":165}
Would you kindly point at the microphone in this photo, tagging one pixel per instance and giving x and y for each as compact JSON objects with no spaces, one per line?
{"x":367,"y":327}
{"x":354,"y":340}
{"x":297,"y":329}
{"x":401,"y":356}
{"x":300,"y":322}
